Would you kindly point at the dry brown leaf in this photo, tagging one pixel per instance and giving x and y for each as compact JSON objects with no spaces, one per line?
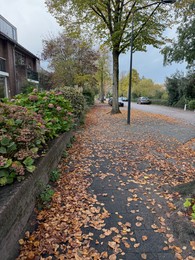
{"x":178,"y":256}
{"x":104,"y":254}
{"x":31,"y":255}
{"x":171,"y":205}
{"x":112,"y":257}
{"x":136,"y":245}
{"x":143,"y":256}
{"x":144,"y":238}
{"x":192,"y":243}
{"x":112,"y":244}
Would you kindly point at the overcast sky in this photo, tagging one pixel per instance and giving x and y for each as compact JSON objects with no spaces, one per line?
{"x":34,"y":24}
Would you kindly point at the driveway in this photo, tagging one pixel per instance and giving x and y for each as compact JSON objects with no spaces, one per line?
{"x":186,"y":116}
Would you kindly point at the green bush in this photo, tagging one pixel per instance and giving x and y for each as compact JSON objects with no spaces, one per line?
{"x":89,"y":96}
{"x":27,"y":122}
{"x":22,"y":134}
{"x":180,"y":103}
{"x":76,"y":99}
{"x":52,"y":106}
{"x":192,"y":104}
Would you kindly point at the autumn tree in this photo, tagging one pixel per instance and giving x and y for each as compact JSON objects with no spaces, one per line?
{"x":146,"y":87}
{"x":124,"y":83}
{"x":183,"y":48}
{"x":111,"y":21}
{"x":72,"y":61}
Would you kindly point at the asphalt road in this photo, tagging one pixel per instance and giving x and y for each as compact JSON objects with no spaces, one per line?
{"x":185,"y":116}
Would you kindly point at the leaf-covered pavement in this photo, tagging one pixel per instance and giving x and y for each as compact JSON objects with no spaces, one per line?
{"x":115,"y":198}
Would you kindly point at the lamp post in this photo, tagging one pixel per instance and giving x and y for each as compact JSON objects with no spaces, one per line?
{"x":131,"y":51}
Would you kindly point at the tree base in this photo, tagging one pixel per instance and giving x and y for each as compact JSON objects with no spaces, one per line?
{"x":113,"y":111}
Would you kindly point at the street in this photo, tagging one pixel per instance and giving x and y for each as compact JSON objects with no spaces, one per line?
{"x":186,"y":116}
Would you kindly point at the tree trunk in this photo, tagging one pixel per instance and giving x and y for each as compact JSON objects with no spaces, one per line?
{"x":115,"y":56}
{"x":102,"y":86}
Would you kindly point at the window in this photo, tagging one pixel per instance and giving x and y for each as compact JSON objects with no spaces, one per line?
{"x":20,"y":58}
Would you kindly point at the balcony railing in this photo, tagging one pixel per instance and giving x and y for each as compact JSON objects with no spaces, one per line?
{"x":2,"y":65}
{"x":32,"y":75}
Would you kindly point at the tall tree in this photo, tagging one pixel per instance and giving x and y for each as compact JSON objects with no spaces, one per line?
{"x":111,"y":21}
{"x":72,"y":60}
{"x":103,"y":71}
{"x":183,"y":49}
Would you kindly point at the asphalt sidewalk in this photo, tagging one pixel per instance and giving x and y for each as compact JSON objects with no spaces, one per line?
{"x":131,"y":168}
{"x":126,"y":206}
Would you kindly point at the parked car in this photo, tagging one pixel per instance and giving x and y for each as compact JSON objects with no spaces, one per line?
{"x":120,"y":102}
{"x":143,"y":100}
{"x":124,"y":99}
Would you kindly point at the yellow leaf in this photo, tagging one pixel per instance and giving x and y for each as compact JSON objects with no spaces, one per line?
{"x":21,"y":242}
{"x":36,"y":243}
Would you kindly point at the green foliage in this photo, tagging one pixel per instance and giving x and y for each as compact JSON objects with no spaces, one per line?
{"x":192,"y":104}
{"x":76,"y":98}
{"x":45,"y":197}
{"x":64,"y":154}
{"x":182,"y":49}
{"x":22,"y":135}
{"x":124,"y":83}
{"x":26,"y":126}
{"x":89,"y":95}
{"x":189,"y":204}
{"x":181,"y":89}
{"x":111,"y":21}
{"x":103,"y":76}
{"x":72,"y":60}
{"x":146,"y":87}
{"x":27,"y":87}
{"x":53,"y":108}
{"x":181,"y":102}
{"x":54,"y":175}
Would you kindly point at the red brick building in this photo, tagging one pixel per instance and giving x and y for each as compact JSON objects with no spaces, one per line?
{"x":17,"y":64}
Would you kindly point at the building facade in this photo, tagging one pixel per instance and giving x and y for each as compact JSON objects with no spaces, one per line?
{"x":17,"y":65}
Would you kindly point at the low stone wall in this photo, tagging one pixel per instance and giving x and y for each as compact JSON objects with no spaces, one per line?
{"x":17,"y":201}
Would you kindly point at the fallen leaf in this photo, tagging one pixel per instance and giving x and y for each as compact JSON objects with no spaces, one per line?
{"x":143,"y":256}
{"x":112,"y":257}
{"x":192,"y":243}
{"x":144,"y":238}
{"x":136,"y":245}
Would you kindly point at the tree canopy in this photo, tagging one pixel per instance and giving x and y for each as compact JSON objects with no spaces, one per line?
{"x":72,"y":60}
{"x":183,"y":49}
{"x":111,"y":21}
